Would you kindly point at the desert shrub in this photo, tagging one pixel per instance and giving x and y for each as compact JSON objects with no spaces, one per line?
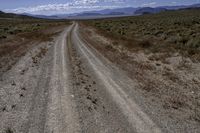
{"x":3,"y":36}
{"x":158,"y":33}
{"x":145,"y":44}
{"x":5,"y":29}
{"x":183,"y":40}
{"x":177,"y":30}
{"x":174,"y":39}
{"x":8,"y":130}
{"x":11,"y":32}
{"x":192,"y":52}
{"x":38,"y":25}
{"x":194,"y":43}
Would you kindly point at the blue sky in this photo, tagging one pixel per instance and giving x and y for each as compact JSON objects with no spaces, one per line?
{"x":50,"y":7}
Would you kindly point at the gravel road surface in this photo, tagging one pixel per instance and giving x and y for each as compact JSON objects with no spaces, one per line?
{"x":66,"y":86}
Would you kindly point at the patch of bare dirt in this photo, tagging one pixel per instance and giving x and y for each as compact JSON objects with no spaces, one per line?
{"x":13,"y":48}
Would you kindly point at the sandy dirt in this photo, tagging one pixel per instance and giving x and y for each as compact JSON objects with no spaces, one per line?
{"x":67,"y":86}
{"x":168,"y":84}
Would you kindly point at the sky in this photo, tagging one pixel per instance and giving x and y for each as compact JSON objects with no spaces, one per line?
{"x":50,"y":7}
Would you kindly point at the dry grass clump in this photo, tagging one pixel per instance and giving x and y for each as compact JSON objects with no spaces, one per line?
{"x":8,"y":130}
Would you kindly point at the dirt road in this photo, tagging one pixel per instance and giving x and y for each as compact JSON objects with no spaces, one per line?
{"x":66,"y":86}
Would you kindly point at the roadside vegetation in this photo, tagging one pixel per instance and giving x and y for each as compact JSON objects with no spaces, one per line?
{"x":171,"y":31}
{"x":18,"y":34}
{"x":161,"y":52}
{"x":14,"y":26}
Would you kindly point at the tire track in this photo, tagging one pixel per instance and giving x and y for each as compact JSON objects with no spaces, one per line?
{"x":136,"y":117}
{"x":62,"y":114}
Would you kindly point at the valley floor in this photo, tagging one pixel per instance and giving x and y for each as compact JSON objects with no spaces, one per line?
{"x":80,"y":82}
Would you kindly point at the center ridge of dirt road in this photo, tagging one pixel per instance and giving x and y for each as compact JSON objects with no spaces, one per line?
{"x":70,"y":88}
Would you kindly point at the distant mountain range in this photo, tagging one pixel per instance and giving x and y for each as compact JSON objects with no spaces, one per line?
{"x":12,"y":15}
{"x":181,"y":7}
{"x":149,"y":10}
{"x":42,"y":16}
{"x":127,"y":11}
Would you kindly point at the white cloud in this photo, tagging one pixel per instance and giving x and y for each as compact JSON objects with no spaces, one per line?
{"x":149,"y":4}
{"x":115,"y":1}
{"x":174,"y":2}
{"x":85,"y":2}
{"x":68,"y":7}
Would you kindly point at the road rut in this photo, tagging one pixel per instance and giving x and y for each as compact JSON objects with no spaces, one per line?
{"x":73,"y":89}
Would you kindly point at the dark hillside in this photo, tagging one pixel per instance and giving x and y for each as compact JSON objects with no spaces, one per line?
{"x":12,"y":15}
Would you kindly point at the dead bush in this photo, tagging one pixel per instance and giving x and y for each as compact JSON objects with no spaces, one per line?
{"x":145,"y":44}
